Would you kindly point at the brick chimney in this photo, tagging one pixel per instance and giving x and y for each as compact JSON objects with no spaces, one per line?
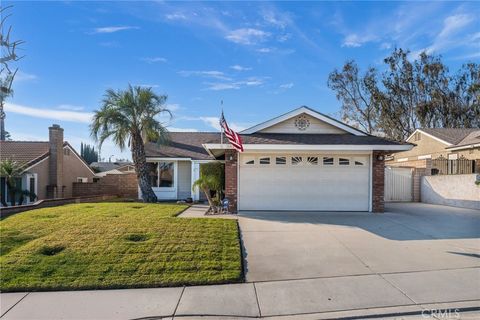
{"x":55,"y":162}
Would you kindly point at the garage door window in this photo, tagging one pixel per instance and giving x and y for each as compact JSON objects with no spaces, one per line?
{"x":296,"y":161}
{"x":344,"y":161}
{"x":249,"y":161}
{"x":359,"y":162}
{"x":265,"y":160}
{"x":328,"y":161}
{"x":312,"y":160}
{"x":281,"y":160}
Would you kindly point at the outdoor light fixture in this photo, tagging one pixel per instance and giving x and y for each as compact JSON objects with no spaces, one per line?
{"x":380,"y":157}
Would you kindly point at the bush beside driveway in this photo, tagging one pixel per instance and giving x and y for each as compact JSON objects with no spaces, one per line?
{"x":116,"y":245}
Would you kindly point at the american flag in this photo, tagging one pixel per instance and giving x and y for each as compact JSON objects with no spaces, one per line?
{"x":233,"y":137}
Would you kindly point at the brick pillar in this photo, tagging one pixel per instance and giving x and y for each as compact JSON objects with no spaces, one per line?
{"x":231,"y":162}
{"x":378,"y":183}
{"x":55,"y":162}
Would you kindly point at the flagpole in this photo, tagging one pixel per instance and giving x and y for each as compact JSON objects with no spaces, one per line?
{"x":221,"y":127}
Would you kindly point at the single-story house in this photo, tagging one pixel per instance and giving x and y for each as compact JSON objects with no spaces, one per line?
{"x":440,"y":144}
{"x":301,"y":160}
{"x":50,"y":167}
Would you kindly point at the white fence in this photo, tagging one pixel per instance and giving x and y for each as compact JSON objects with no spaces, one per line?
{"x":398,"y":184}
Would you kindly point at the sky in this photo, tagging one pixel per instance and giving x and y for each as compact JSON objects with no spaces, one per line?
{"x":261,"y":59}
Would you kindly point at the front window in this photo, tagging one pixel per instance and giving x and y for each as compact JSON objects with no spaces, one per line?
{"x":166,"y":174}
{"x":162,"y":174}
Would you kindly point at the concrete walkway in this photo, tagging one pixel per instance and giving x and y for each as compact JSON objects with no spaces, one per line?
{"x":200,"y":210}
{"x":322,"y":298}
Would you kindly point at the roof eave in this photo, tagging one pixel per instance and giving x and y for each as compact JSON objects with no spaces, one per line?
{"x":210,"y":147}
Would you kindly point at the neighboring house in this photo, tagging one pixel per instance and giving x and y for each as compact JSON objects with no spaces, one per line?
{"x":50,"y":167}
{"x":120,"y":170}
{"x":302,"y":160}
{"x":108,"y":166}
{"x":439,"y":143}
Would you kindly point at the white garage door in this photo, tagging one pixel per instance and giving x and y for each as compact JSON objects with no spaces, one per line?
{"x":304,"y":182}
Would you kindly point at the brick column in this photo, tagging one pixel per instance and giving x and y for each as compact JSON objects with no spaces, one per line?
{"x":378,"y":183}
{"x":231,"y":162}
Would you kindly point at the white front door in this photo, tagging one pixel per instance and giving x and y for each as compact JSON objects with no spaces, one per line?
{"x":313,"y":182}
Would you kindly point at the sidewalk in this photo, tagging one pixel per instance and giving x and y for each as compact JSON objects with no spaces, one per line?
{"x":317,"y":298}
{"x":199,"y":210}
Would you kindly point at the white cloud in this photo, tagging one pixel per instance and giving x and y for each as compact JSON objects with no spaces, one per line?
{"x":154,"y":59}
{"x":54,"y":114}
{"x":172,"y":106}
{"x":113,"y":29}
{"x":247,"y":36}
{"x":249,"y":82}
{"x":277,"y":19}
{"x":354,"y":40}
{"x":23,"y":76}
{"x":175,"y":129}
{"x":70,"y":107}
{"x":385,"y":46}
{"x":175,"y":16}
{"x":264,"y":50}
{"x":284,"y":37}
{"x":207,"y":74}
{"x":237,"y":67}
{"x":216,"y":86}
{"x":454,"y":23}
{"x":214,"y":123}
{"x":449,"y":36}
{"x":286,"y":86}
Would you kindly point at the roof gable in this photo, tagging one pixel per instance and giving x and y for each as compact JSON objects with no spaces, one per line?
{"x":318,"y":124}
{"x":448,"y":136}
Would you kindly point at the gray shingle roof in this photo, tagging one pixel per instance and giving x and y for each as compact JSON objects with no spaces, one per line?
{"x":189,"y":144}
{"x":306,"y":139}
{"x":472,"y":138}
{"x":450,"y":135}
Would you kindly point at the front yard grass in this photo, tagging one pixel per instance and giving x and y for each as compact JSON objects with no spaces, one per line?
{"x":115,"y":245}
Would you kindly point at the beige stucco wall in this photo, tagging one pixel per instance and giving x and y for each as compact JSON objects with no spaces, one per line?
{"x":452,"y":190}
{"x":73,"y":168}
{"x":41,"y":169}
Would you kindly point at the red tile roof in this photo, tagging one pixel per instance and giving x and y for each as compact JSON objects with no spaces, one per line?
{"x":24,"y":152}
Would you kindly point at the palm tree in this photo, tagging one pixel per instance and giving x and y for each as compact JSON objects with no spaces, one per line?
{"x":129,"y":118}
{"x":207,"y":184}
{"x":11,"y":171}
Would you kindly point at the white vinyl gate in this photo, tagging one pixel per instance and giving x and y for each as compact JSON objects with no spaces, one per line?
{"x":398,"y":184}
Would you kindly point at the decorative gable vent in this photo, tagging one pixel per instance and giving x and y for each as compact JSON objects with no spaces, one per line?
{"x":302,"y":123}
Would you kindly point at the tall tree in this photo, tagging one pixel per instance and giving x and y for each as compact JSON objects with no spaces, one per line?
{"x":411,"y":93}
{"x":88,"y":153}
{"x":8,"y":49}
{"x":129,"y":117}
{"x":356,"y":93}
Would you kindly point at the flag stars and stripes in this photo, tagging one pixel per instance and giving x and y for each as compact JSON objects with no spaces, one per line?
{"x":233,"y":137}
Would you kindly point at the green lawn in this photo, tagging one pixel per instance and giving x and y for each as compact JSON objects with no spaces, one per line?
{"x":115,"y":245}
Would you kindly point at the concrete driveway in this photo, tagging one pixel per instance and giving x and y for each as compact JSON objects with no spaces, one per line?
{"x":412,"y":254}
{"x":408,"y":237}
